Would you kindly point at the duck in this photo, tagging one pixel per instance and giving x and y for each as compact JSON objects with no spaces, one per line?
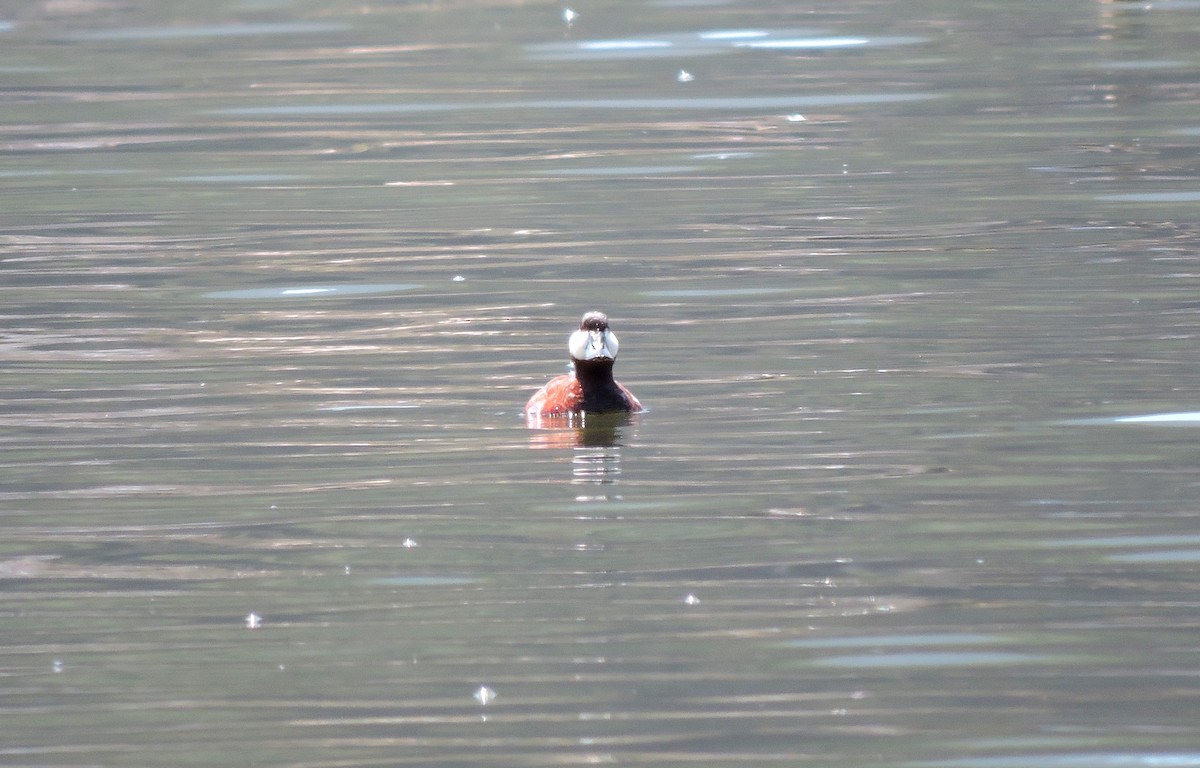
{"x":590,"y":386}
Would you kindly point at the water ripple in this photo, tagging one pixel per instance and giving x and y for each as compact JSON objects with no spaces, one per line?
{"x":712,"y":103}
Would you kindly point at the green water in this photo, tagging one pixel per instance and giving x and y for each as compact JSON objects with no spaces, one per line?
{"x":909,"y":290}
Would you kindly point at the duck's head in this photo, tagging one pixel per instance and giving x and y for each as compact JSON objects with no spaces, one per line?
{"x":593,"y":341}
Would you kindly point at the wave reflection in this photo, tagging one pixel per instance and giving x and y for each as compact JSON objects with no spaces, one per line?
{"x":698,"y":104}
{"x":706,"y":43}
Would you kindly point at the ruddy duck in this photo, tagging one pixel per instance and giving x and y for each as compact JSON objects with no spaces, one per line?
{"x":589,"y":387}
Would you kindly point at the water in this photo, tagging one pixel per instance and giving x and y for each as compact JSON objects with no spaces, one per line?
{"x":909,"y":290}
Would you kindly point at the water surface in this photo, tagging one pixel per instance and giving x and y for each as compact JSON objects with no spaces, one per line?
{"x":909,"y":290}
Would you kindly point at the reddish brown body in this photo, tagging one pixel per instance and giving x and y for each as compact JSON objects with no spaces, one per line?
{"x":564,"y":394}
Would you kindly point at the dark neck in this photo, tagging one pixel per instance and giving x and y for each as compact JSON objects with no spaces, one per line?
{"x":600,"y":391}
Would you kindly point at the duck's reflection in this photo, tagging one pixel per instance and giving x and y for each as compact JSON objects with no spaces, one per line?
{"x":596,"y":441}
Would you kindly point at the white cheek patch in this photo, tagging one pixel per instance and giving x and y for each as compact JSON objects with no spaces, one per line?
{"x":589,"y":345}
{"x":611,"y":344}
{"x":578,"y":345}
